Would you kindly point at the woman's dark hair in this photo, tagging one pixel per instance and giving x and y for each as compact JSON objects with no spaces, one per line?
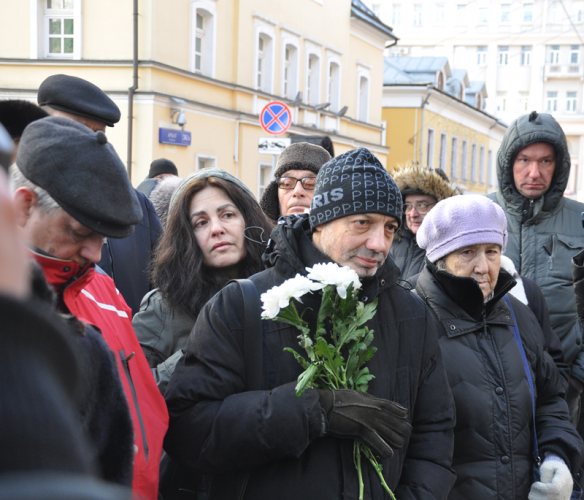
{"x":178,"y":271}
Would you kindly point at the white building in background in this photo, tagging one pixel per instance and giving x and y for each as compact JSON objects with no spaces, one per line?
{"x":529,"y":53}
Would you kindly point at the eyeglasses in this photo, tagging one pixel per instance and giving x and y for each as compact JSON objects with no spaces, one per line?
{"x":421,"y":207}
{"x":287,"y":183}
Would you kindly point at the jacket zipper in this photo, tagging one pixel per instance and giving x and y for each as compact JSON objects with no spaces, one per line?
{"x":126,"y":365}
{"x":511,"y":461}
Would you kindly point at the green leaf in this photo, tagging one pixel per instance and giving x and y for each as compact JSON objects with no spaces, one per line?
{"x":305,"y":364}
{"x":306,"y":378}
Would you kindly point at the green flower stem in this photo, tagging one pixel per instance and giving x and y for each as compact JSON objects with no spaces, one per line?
{"x":357,"y":459}
{"x":379,"y":469}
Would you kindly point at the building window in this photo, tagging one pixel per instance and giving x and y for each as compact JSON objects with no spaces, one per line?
{"x":263,"y":63}
{"x":526,"y":55}
{"x":577,"y":8}
{"x":313,"y":80}
{"x":464,"y":160}
{"x":454,"y":158}
{"x":417,"y":15}
{"x":334,"y":84}
{"x":552,"y":102}
{"x":506,"y":13}
{"x":503,"y":55}
{"x":265,"y":177}
{"x":481,"y":55}
{"x":290,"y":71}
{"x":376,"y":8}
{"x":527,"y":12}
{"x":554,"y":54}
{"x":501,"y":101}
{"x":363,"y":99}
{"x":461,"y":14}
{"x":574,"y":54}
{"x":396,"y":15}
{"x":571,"y":101}
{"x":60,"y":28}
{"x":286,"y":80}
{"x":440,"y":14}
{"x":473,"y":163}
{"x":483,"y":15}
{"x":205,"y":161}
{"x":202,"y":40}
{"x":442,"y":158}
{"x":556,"y":13}
{"x":523,"y":101}
{"x":490,"y":176}
{"x":482,"y":165}
{"x":430,"y":149}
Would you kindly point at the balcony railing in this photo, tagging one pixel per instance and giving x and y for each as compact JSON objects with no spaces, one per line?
{"x":564,"y":71}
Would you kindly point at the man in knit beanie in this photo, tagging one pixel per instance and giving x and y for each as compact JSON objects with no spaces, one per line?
{"x":295,"y":176}
{"x":355,"y":211}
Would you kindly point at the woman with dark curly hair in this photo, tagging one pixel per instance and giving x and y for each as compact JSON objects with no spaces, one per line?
{"x":213,"y":234}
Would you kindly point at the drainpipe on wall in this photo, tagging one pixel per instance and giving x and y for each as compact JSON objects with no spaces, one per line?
{"x":424,"y":102}
{"x":131,"y":91}
{"x":236,"y":148}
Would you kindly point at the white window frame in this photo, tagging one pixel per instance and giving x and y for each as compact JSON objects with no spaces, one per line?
{"x":461,"y":12}
{"x":208,"y":35}
{"x":312,"y":76}
{"x":454,"y":157}
{"x":575,"y":51}
{"x":333,"y":94}
{"x":39,"y":30}
{"x":483,"y":15}
{"x":571,"y":102}
{"x":262,"y":165}
{"x":482,"y":164}
{"x":481,"y":55}
{"x":473,"y":162}
{"x":464,"y":160}
{"x":440,"y":14}
{"x":523,"y":102}
{"x":551,"y":102}
{"x":526,"y":55}
{"x":505,"y":13}
{"x":266,"y":31}
{"x":291,"y":41}
{"x":503,"y":55}
{"x":527,"y":10}
{"x":430,"y":147}
{"x":491,"y":179}
{"x":501,"y":102}
{"x":577,"y":11}
{"x":212,"y":159}
{"x":417,"y":14}
{"x":554,"y":54}
{"x":396,"y":14}
{"x":556,"y":11}
{"x":443,"y":148}
{"x":361,"y":107}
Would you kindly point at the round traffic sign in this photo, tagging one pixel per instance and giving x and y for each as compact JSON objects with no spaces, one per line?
{"x":275,"y":118}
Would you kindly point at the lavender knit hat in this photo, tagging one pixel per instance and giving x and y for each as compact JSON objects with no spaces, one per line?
{"x":461,"y":221}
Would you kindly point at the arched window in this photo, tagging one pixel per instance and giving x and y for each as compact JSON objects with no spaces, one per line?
{"x":334,"y":85}
{"x":313,"y":80}
{"x":363,"y":99}
{"x":263,"y":79}
{"x":202,"y":38}
{"x":289,"y":71}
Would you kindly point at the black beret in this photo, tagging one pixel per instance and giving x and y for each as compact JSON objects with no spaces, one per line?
{"x":16,"y":114}
{"x":82,"y":172}
{"x":79,"y":97}
{"x":162,"y":166}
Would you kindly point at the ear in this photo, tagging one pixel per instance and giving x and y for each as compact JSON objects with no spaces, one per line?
{"x":25,"y":200}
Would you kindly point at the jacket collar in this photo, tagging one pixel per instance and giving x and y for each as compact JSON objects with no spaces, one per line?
{"x":458,"y":302}
{"x":61,"y":273}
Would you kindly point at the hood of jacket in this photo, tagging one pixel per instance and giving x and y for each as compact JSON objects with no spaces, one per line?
{"x":290,"y":250}
{"x":526,"y":130}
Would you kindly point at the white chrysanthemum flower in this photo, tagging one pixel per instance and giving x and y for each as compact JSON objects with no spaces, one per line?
{"x":278,"y":297}
{"x":333,"y":274}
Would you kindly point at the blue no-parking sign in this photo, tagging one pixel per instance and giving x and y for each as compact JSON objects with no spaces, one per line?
{"x":275,"y":118}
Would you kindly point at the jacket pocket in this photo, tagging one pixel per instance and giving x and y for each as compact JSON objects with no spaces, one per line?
{"x":564,"y":248}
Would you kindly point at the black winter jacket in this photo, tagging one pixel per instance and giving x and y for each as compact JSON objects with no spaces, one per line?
{"x":493,"y":435}
{"x":217,"y":427}
{"x":408,"y":256}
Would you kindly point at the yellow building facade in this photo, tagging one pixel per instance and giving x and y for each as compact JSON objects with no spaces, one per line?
{"x":218,"y":62}
{"x":444,"y":132}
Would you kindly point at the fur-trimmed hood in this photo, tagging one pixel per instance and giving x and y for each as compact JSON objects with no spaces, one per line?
{"x":161,"y":195}
{"x":424,"y":180}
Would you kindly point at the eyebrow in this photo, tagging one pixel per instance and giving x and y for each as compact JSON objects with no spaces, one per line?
{"x":204,"y":212}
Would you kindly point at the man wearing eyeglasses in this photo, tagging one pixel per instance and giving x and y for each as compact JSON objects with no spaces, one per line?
{"x":421,"y":189}
{"x":292,"y":189}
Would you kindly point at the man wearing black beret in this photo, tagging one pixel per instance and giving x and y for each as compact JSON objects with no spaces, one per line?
{"x":71,"y":190}
{"x":125,"y":260}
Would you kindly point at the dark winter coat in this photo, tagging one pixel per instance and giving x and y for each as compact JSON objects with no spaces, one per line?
{"x":406,"y":253}
{"x":578,"y":275}
{"x":127,"y":260}
{"x":217,"y":427}
{"x":493,"y":435}
{"x":544,"y":234}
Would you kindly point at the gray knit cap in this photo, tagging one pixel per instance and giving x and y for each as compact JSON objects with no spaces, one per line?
{"x":205,"y":174}
{"x":297,"y":156}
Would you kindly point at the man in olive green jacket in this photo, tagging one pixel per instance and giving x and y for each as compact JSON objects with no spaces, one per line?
{"x":545,"y":230}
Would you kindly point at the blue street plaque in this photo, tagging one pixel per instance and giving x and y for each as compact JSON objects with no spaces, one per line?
{"x":171,"y":136}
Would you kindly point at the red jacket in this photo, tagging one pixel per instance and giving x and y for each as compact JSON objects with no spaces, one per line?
{"x":92,"y":297}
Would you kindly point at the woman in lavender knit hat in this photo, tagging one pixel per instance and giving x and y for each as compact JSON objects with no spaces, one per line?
{"x":464,"y":285}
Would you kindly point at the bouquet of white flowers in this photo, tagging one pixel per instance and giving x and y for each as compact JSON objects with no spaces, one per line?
{"x":340,"y":346}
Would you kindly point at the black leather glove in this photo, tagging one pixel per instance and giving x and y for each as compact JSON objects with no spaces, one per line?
{"x":378,"y":423}
{"x":573,"y":393}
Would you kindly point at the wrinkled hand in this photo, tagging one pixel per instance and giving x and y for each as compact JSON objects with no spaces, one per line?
{"x":555,"y":483}
{"x":378,"y":423}
{"x":14,"y":260}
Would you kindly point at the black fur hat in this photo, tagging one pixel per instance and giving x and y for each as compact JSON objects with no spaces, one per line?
{"x":16,"y":114}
